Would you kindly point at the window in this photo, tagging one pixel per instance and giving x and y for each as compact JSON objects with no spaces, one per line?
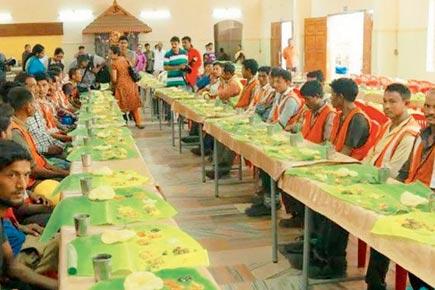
{"x":430,"y":58}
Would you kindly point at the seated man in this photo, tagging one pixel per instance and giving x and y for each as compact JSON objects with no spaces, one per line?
{"x":38,"y":209}
{"x":205,"y":79}
{"x":316,"y":128}
{"x":229,"y":89}
{"x":45,"y":143}
{"x":264,"y":95}
{"x":73,"y":94}
{"x":211,"y":89}
{"x":393,"y":147}
{"x":15,"y":168}
{"x":23,"y":103}
{"x":350,"y":135}
{"x":250,"y":90}
{"x":285,"y":111}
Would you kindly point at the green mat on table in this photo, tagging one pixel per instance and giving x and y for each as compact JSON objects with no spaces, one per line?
{"x":130,"y":205}
{"x":418,"y":226}
{"x":97,"y":141}
{"x":119,"y":179}
{"x":179,"y":278}
{"x":154,"y":247}
{"x":82,"y":131}
{"x":341,"y":174}
{"x":104,"y":152}
{"x":286,"y":152}
{"x":380,"y":198}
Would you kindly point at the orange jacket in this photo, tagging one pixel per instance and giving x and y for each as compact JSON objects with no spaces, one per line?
{"x":40,"y":161}
{"x":48,"y":116}
{"x":295,"y":118}
{"x":420,"y":169}
{"x":315,"y":132}
{"x":339,"y":133}
{"x":409,"y":128}
{"x":247,"y":94}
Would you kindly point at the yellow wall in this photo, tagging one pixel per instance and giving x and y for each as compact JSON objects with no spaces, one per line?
{"x":14,"y":46}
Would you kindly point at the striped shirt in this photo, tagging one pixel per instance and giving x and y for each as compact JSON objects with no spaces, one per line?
{"x":175,"y":77}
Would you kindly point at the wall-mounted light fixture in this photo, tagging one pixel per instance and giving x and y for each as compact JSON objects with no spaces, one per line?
{"x":5,"y":17}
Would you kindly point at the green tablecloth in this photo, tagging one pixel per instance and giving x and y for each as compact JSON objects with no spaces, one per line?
{"x":154,"y":247}
{"x":130,"y":205}
{"x":119,"y":178}
{"x":179,"y":278}
{"x":417,"y":226}
{"x":104,"y":152}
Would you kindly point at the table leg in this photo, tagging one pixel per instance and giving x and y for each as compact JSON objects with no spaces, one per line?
{"x":160,"y":108}
{"x":274,"y":221}
{"x":180,"y":121}
{"x":216,"y":168}
{"x":306,"y":253}
{"x":173,"y":128}
{"x":201,"y":146}
{"x":240,"y":168}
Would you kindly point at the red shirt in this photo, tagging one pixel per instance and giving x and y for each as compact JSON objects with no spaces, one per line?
{"x":195,"y":62}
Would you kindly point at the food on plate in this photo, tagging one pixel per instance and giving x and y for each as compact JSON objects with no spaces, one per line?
{"x":344,"y":172}
{"x":103,"y":192}
{"x":117,"y":236}
{"x":128,"y":212}
{"x":409,"y":199}
{"x":143,"y":281}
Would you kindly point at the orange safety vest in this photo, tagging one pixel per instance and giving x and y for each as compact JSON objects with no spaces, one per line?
{"x":40,"y":161}
{"x":339,"y":133}
{"x":420,"y":169}
{"x":315,"y":132}
{"x":280,"y":107}
{"x":48,"y":116}
{"x":394,"y":142}
{"x":246,"y":95}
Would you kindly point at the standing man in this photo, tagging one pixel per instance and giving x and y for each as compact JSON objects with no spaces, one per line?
{"x":130,"y":55}
{"x":194,"y":61}
{"x":159,"y":58}
{"x":175,"y":63}
{"x":289,"y":55}
{"x":150,"y":58}
{"x":27,"y":51}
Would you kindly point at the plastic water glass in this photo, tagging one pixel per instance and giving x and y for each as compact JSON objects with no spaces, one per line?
{"x":86,"y":160}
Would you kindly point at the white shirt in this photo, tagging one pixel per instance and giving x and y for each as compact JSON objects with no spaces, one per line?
{"x":159,"y":56}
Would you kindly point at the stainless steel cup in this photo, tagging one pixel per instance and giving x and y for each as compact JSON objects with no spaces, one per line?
{"x":270,"y":130}
{"x":86,"y":141}
{"x":81,"y":224}
{"x":86,"y":185}
{"x":86,"y":160}
{"x":383,"y":174}
{"x":102,"y":267}
{"x":90,"y":132}
{"x":88,"y":124}
{"x":294,"y":139}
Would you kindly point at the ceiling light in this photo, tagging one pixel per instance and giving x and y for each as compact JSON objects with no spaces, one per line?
{"x":75,"y":15}
{"x":155,"y":14}
{"x":229,"y":13}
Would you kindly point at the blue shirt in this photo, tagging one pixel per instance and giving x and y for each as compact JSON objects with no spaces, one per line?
{"x":203,"y":81}
{"x":15,"y":237}
{"x":35,"y":66}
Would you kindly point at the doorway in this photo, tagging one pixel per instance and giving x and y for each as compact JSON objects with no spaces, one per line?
{"x":345,"y":44}
{"x":228,"y":35}
{"x":281,"y":32}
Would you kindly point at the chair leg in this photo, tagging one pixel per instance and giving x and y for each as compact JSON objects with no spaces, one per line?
{"x":401,"y":276}
{"x":362,"y":254}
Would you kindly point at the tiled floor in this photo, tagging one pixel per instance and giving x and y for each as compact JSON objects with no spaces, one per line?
{"x":239,"y":247}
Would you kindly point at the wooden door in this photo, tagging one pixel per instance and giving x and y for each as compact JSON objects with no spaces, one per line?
{"x":367,"y":50}
{"x":315,"y":51}
{"x":228,"y":35}
{"x":275,"y":44}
